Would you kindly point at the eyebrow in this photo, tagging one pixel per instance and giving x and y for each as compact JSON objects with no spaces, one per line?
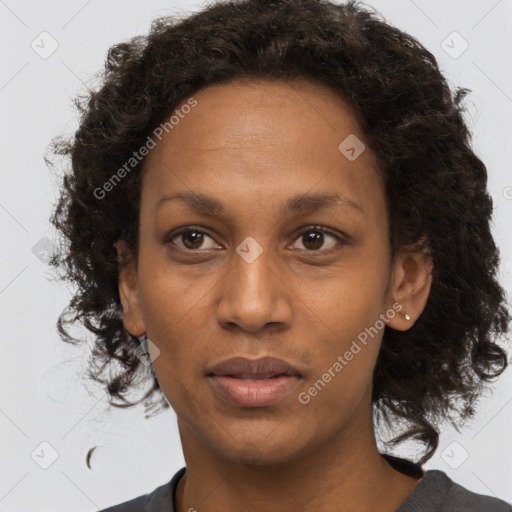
{"x":299,"y":203}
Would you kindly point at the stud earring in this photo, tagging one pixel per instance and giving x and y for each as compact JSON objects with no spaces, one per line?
{"x":406,"y":316}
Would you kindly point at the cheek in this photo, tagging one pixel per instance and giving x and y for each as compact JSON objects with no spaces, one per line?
{"x":344,"y":365}
{"x":173,"y":299}
{"x":175,"y":316}
{"x":347,"y":300}
{"x":343,"y":319}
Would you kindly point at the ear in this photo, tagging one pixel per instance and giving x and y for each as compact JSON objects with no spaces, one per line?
{"x":129,"y":291}
{"x":410,"y":283}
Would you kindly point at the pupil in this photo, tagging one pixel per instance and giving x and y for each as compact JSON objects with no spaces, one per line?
{"x":310,"y":238}
{"x":195,"y":244}
{"x":315,"y":239}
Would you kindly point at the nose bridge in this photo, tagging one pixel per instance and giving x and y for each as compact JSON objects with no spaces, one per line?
{"x":252,"y":295}
{"x":252,"y":269}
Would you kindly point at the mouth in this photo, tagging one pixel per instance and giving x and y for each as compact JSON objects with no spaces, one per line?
{"x":253,"y":392}
{"x":249,"y":377}
{"x":254,"y":378}
{"x":244,"y":368}
{"x":253,"y":383}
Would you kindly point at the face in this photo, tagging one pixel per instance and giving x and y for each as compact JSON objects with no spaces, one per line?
{"x":252,"y":277}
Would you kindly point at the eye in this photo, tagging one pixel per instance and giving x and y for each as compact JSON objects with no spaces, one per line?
{"x":313,"y":237}
{"x":192,"y":238}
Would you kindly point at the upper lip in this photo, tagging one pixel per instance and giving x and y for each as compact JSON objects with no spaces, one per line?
{"x":243,"y":368}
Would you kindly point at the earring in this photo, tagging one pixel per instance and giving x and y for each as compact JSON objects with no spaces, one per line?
{"x":406,"y":316}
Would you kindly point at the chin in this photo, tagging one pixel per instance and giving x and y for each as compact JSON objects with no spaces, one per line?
{"x":261,"y":453}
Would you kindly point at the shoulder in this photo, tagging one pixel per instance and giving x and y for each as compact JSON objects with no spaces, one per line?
{"x":464,"y":499}
{"x":436,"y":492}
{"x":135,"y":505}
{"x":159,"y":500}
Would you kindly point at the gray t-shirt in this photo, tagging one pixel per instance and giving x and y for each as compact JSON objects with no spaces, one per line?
{"x":435,"y":492}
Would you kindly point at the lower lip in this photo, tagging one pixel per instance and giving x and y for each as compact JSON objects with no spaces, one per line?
{"x":257,"y":393}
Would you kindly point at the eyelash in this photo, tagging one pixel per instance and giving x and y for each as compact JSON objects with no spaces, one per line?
{"x":314,"y":228}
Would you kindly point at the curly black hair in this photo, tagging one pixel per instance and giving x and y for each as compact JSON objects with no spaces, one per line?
{"x":411,"y":119}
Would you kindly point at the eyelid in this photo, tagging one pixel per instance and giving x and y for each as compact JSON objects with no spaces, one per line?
{"x":323,"y":229}
{"x":185,"y":229}
{"x":341,"y":237}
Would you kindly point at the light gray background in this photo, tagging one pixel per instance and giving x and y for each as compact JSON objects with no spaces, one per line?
{"x":42,"y":398}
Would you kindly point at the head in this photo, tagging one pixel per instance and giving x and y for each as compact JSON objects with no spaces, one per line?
{"x":267,"y":104}
{"x":299,"y":294}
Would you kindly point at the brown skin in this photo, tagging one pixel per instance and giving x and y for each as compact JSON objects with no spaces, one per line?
{"x":252,"y":145}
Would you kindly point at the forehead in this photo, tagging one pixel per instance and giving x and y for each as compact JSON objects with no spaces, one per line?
{"x":258,"y":133}
{"x":247,"y":114}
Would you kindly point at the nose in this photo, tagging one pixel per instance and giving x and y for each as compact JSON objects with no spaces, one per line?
{"x":253,"y":294}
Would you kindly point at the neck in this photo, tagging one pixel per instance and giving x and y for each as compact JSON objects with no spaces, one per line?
{"x":345,"y":474}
